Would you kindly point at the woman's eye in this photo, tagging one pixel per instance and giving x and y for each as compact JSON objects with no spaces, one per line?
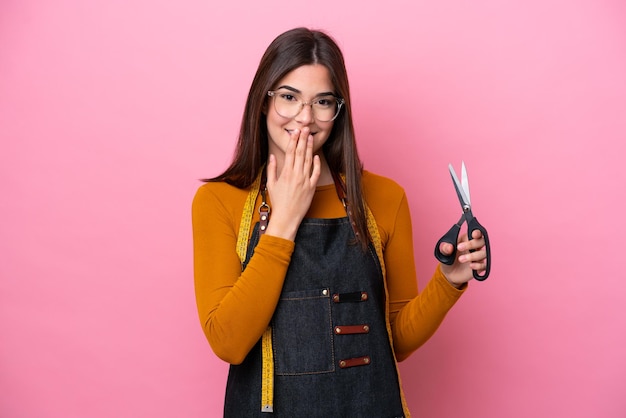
{"x":288,"y":97}
{"x":325,"y":102}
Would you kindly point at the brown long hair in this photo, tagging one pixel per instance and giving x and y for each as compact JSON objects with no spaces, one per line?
{"x":290,"y":50}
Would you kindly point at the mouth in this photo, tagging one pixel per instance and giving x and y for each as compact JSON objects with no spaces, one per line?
{"x":290,"y":131}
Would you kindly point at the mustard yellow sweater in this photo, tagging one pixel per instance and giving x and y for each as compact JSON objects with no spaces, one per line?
{"x":235,"y":307}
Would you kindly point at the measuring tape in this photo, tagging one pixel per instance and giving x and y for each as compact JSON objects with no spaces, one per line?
{"x":246,"y":220}
{"x":267,"y":374}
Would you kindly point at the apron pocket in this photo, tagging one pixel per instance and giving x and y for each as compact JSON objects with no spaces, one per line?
{"x":302,"y":333}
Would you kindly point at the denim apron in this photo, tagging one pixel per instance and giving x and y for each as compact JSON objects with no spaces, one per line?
{"x":332,"y":353}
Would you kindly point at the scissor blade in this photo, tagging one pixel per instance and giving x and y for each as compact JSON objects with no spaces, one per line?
{"x":459,"y":188}
{"x":465,"y":182}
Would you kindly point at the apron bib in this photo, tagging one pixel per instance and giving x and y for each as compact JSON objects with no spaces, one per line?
{"x":331,"y":349}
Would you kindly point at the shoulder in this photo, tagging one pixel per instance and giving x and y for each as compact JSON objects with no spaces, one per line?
{"x":380,"y":188}
{"x":385,"y":198}
{"x":220,"y":188}
{"x":387,"y":201}
{"x":220,"y":196}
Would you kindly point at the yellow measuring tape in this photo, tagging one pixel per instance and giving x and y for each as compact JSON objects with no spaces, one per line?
{"x":246,"y":221}
{"x":267,"y":373}
{"x":267,"y":376}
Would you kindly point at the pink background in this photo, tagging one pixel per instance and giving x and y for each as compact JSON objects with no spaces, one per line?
{"x":111,"y":110}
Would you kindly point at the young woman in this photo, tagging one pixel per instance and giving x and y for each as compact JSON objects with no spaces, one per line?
{"x":304,"y":272}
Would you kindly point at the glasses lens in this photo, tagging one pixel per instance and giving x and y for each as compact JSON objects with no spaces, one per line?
{"x":325,"y":108}
{"x":288,"y":105}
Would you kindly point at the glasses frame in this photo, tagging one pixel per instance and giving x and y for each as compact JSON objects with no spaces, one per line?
{"x":340,"y":103}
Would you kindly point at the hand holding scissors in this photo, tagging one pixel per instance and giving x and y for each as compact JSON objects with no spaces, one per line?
{"x":452,"y":236}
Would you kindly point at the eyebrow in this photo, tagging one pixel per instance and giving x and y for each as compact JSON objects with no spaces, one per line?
{"x":295,"y":90}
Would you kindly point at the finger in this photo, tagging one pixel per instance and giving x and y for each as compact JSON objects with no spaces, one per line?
{"x":301,"y":146}
{"x":484,"y":261}
{"x":308,"y":156}
{"x":317,"y":170}
{"x":477,"y":234}
{"x":446,"y":248}
{"x":462,"y":243}
{"x":478,"y":256}
{"x":291,"y":148}
{"x":479,"y":267}
{"x":474,"y":244}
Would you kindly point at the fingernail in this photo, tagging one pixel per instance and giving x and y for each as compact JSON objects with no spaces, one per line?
{"x":460,"y":247}
{"x":462,"y":258}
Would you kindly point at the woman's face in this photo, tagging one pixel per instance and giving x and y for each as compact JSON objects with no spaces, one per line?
{"x":305,"y":83}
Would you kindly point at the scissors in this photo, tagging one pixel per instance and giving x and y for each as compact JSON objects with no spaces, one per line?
{"x":462,"y":191}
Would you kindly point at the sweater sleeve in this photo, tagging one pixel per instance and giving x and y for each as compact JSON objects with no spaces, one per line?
{"x":235,"y":307}
{"x":414,"y":316}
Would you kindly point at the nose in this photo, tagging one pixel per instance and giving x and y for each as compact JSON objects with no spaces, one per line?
{"x":305,"y":116}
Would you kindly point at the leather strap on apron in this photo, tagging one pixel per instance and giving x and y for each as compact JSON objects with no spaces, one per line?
{"x":267,"y":390}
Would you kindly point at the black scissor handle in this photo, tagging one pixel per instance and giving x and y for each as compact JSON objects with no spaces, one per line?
{"x":451,"y":237}
{"x":473,"y":225}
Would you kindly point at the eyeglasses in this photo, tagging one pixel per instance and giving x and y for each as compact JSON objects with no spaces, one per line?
{"x":288,"y":105}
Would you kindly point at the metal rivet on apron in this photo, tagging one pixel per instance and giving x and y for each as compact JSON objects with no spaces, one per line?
{"x":325,"y":292}
{"x":364,"y":296}
{"x":366,"y":360}
{"x":366,"y":328}
{"x":263,"y":228}
{"x":337,"y":330}
{"x":342,"y":363}
{"x":335,"y":298}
